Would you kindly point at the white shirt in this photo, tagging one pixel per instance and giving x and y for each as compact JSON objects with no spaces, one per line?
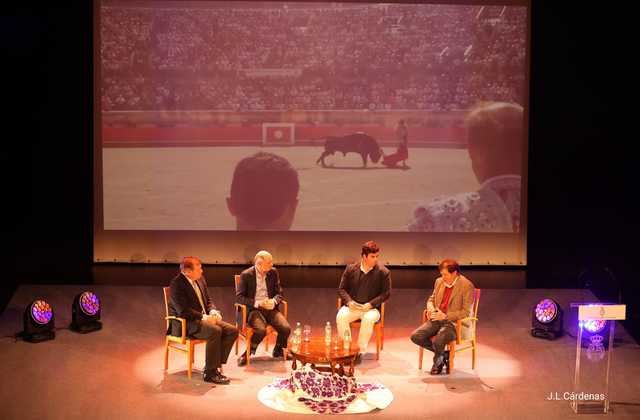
{"x":262,"y":293}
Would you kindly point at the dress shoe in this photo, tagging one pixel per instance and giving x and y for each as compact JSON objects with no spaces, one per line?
{"x":242,"y":360}
{"x":209,"y":377}
{"x":216,"y":377}
{"x":223,"y":379}
{"x":438,"y":364}
{"x":277,"y":352}
{"x":358,"y":359}
{"x":446,"y":362}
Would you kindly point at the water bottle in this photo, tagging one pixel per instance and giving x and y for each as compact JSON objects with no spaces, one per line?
{"x":327,"y":334}
{"x":297,"y":334}
{"x":346,"y":343}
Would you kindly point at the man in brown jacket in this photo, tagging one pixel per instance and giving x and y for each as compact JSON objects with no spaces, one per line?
{"x":450,"y":301}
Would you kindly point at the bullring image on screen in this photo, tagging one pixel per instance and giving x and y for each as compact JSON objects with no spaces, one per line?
{"x":312,"y":116}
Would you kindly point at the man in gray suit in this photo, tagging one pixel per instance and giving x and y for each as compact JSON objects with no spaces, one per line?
{"x":261,"y":292}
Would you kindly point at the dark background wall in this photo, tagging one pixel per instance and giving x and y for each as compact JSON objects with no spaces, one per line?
{"x":582,"y":206}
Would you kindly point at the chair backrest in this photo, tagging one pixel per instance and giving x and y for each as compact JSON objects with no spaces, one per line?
{"x":239,"y":321}
{"x":165,"y":292}
{"x":468,"y":331}
{"x":476,"y":302}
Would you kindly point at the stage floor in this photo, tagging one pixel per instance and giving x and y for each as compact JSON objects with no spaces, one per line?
{"x":118,"y":371}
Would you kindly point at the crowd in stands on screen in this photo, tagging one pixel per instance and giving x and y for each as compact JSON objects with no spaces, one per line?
{"x":495,"y":135}
{"x":351,"y":57}
{"x":264,"y":193}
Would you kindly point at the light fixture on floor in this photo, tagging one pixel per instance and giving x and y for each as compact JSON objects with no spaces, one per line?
{"x":546,"y":319}
{"x":39,"y":322}
{"x":85,"y":313}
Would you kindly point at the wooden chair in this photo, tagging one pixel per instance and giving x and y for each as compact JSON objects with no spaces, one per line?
{"x":378,"y":328}
{"x":181,"y":343}
{"x":460,"y":343}
{"x":246,"y":332}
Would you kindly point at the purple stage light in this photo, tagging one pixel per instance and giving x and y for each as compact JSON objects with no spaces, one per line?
{"x":85,"y":313}
{"x":593,"y":325}
{"x":41,"y":312}
{"x":89,"y":303}
{"x":546,"y":311}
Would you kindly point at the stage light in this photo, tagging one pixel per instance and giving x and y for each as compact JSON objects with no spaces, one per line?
{"x":546,"y":320}
{"x":594,"y":325}
{"x":595,"y":333}
{"x":39,"y":322}
{"x":85,"y":313}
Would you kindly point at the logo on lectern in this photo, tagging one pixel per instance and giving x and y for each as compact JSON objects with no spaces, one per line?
{"x":595,"y":351}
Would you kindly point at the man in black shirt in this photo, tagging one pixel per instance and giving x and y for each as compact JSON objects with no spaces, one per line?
{"x":363,"y":288}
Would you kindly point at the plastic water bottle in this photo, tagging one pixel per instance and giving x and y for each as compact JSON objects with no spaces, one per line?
{"x":346,"y":343}
{"x":327,"y":334}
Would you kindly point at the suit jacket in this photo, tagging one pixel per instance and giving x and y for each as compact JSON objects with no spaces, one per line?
{"x":460,"y":300}
{"x":246,"y":289}
{"x":184,"y":303}
{"x":380,"y":288}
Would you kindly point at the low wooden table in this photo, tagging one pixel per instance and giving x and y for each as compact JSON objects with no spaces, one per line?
{"x":332,"y":358}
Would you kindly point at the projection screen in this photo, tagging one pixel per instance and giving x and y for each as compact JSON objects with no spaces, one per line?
{"x":307,"y":128}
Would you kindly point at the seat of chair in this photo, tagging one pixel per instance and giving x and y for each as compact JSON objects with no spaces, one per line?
{"x":178,"y":339}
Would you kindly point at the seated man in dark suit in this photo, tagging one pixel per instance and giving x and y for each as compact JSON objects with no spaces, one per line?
{"x":190,"y":299}
{"x":260,"y":290}
{"x":363,"y":288}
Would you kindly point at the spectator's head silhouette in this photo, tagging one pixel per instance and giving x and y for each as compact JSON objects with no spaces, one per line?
{"x":495,"y":136}
{"x":264,"y":193}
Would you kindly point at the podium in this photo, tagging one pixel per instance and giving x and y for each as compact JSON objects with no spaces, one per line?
{"x":594,"y":350}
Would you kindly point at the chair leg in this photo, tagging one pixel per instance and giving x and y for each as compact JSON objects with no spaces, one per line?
{"x":189,"y":359}
{"x":237,"y":340}
{"x":266,"y":342}
{"x":382,"y":341}
{"x":248,"y":351}
{"x":166,"y":355}
{"x":473,"y":354}
{"x":378,"y":342}
{"x":420,"y":356}
{"x":452,"y":356}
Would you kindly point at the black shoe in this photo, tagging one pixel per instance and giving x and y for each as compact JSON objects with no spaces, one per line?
{"x":209,"y":377}
{"x":358,"y":359}
{"x":446,"y":362}
{"x":438,"y":364}
{"x":216,"y":377}
{"x":223,"y":380}
{"x":436,"y":370}
{"x":242,"y":360}
{"x":277,"y":352}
